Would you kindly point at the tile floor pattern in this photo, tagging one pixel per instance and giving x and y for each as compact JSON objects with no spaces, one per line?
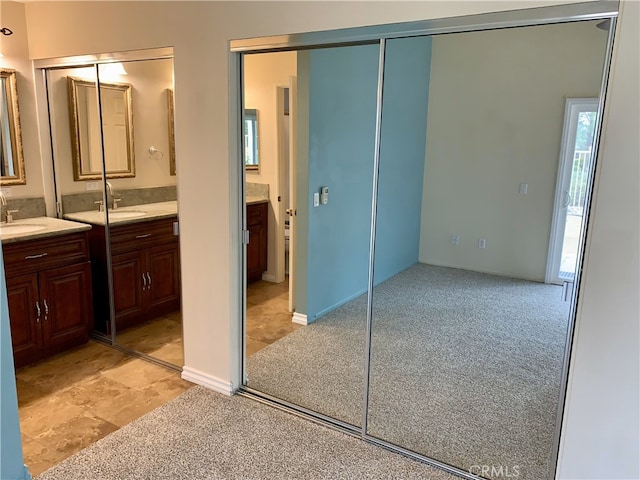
{"x":75,"y":398}
{"x":160,"y":338}
{"x":268,"y":318}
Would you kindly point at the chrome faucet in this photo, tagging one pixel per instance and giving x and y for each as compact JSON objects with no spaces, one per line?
{"x":114,"y":200}
{"x":3,"y":203}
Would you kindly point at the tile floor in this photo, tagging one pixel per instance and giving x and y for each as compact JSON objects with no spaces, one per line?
{"x":268,"y":318}
{"x":160,"y":338}
{"x":77,"y":397}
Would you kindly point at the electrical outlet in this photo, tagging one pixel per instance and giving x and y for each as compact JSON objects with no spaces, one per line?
{"x":93,"y":186}
{"x":6,"y":191}
{"x":455,"y":239}
{"x":482,"y":243}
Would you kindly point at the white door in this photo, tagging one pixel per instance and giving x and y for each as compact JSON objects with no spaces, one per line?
{"x":574,"y":174}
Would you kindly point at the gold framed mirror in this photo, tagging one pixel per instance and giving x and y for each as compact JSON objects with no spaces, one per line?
{"x":172,"y":138}
{"x":117,"y":129}
{"x":11,"y":157}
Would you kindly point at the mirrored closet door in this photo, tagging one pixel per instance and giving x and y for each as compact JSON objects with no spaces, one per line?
{"x":114,"y":164}
{"x":425,"y":220}
{"x":319,"y":368}
{"x":466,"y":334}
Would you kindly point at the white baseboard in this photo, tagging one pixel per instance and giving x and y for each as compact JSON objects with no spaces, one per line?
{"x":207,"y":381}
{"x":299,"y":318}
{"x":269,"y":277}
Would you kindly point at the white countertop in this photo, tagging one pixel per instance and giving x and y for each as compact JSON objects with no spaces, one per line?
{"x":46,"y":227}
{"x":143,"y":213}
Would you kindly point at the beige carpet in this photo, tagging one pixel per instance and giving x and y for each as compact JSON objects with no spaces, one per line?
{"x":465,"y":367}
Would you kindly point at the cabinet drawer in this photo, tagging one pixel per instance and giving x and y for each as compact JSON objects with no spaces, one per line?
{"x":40,"y":254}
{"x":256,"y":214}
{"x":142,"y":234}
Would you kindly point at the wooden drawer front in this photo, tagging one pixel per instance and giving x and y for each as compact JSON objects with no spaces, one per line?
{"x":256,"y":213}
{"x":142,"y":234}
{"x":41,"y":254}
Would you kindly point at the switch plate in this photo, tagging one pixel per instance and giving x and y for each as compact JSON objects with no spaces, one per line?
{"x":316,"y":199}
{"x":482,"y":243}
{"x":324,"y":195}
{"x":523,"y":188}
{"x":455,"y":239}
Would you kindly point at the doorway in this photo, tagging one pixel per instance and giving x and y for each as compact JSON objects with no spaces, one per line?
{"x":574,"y":173}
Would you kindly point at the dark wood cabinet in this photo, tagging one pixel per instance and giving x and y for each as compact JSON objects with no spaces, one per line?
{"x":49,"y":294}
{"x":257,"y":221}
{"x":145,"y":268}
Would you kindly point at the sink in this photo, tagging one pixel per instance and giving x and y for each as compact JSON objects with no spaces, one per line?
{"x":16,"y":228}
{"x":126,"y":214}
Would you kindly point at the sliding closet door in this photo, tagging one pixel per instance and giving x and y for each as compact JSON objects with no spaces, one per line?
{"x":320,"y":365}
{"x":468,"y":343}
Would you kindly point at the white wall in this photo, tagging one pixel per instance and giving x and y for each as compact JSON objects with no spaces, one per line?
{"x":263,"y":73}
{"x":16,"y":56}
{"x":208,"y":185}
{"x":496,"y":108}
{"x":149,"y":81}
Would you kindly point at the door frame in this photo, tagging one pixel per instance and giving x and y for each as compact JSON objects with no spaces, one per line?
{"x":565,"y":166}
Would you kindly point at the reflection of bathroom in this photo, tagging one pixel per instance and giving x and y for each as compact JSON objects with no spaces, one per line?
{"x":269,"y":299}
{"x":102,"y":252}
{"x":79,"y":282}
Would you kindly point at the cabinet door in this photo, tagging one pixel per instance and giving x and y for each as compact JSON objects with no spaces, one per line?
{"x":66,"y":302}
{"x":255,"y":263}
{"x":128,"y":284}
{"x":26,"y":334}
{"x":164,"y":273}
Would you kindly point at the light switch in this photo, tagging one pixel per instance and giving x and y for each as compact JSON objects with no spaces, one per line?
{"x":523,"y":188}
{"x":316,"y":199}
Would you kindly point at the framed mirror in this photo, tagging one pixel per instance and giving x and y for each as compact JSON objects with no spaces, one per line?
{"x":117,"y":130}
{"x":172,"y":137}
{"x":251,"y":159}
{"x":11,"y":158}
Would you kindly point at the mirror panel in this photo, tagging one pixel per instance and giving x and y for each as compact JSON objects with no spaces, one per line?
{"x":11,"y":156}
{"x":468,"y":341}
{"x":319,"y":365}
{"x":117,"y":129}
{"x":143,"y":222}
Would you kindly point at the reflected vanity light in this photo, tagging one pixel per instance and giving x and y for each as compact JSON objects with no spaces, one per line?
{"x":111,"y":70}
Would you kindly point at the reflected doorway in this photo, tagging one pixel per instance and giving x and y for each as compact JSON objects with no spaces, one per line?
{"x":574,"y":173}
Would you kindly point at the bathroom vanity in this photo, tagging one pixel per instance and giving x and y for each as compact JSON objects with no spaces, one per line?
{"x":48,"y":286}
{"x":145,"y":263}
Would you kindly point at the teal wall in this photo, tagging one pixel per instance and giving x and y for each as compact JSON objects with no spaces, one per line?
{"x":342,"y":119}
{"x":402,"y":155}
{"x":11,"y":461}
{"x":337,"y":93}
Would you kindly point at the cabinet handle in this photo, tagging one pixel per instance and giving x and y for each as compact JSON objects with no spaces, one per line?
{"x":38,"y":311}
{"x":46,"y":309}
{"x":144,"y":282}
{"x":145,"y":235}
{"x":31,"y":257}
{"x":149,"y":279}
